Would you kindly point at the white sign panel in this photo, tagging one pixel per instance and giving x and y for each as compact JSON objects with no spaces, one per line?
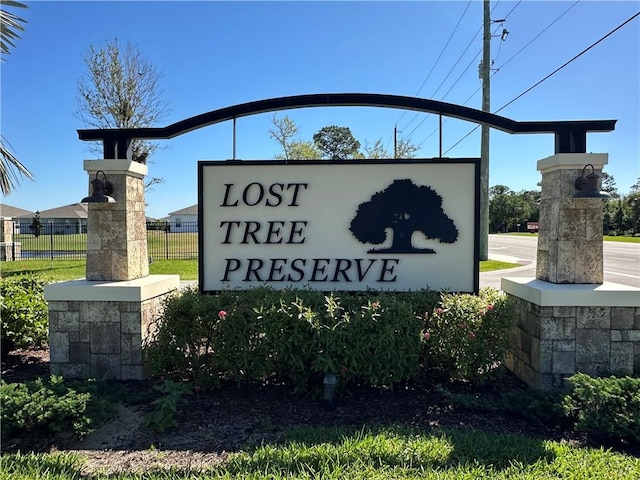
{"x":350,"y":225}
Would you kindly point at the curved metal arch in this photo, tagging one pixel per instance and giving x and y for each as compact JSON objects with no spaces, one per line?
{"x":570,"y":136}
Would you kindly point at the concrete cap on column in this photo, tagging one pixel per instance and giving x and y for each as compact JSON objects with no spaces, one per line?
{"x":572,"y":161}
{"x":129,"y":167}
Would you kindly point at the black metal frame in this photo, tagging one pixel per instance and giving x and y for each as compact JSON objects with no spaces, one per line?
{"x":570,"y":136}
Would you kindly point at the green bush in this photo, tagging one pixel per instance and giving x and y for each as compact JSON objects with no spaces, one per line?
{"x":467,"y":336}
{"x":24,"y":312}
{"x":165,"y":407}
{"x":609,"y":407}
{"x":52,"y":407}
{"x":295,"y":336}
{"x":291,"y":336}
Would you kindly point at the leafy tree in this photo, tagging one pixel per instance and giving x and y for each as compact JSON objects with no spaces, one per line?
{"x":609,"y":185}
{"x":36,"y":225}
{"x":636,"y":186}
{"x":337,"y":143}
{"x":11,"y":169}
{"x":405,"y":208}
{"x":508,"y":208}
{"x":121,"y":90}
{"x":633,"y":203}
{"x":404,"y":149}
{"x":284,"y":132}
{"x":304,"y":150}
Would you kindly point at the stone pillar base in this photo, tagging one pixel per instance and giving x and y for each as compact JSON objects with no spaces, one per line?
{"x":562,"y":329}
{"x":10,"y":251}
{"x":97,"y":329}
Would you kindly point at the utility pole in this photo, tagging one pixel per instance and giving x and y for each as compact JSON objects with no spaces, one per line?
{"x":485,"y":70}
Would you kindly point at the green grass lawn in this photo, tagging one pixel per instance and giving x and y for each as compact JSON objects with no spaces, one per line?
{"x":606,"y":238}
{"x":63,"y":270}
{"x":371,"y":453}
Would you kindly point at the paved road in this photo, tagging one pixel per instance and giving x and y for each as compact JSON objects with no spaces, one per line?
{"x":621,"y":260}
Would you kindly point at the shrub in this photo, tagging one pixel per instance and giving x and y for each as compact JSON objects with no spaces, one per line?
{"x":295,"y":336}
{"x":165,"y":407}
{"x":467,"y":336}
{"x":52,"y":407}
{"x":609,"y":407}
{"x":24,"y":312}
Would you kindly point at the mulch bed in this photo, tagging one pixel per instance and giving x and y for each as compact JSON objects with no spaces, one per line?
{"x":211,"y":425}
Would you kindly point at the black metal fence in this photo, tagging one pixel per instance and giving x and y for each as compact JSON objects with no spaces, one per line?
{"x":64,"y":240}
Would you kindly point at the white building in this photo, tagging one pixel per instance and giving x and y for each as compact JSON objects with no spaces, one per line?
{"x":184,"y":220}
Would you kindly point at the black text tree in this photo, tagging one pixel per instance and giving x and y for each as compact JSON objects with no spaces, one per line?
{"x":405,"y":208}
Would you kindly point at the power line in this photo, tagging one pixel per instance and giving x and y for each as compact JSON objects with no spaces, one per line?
{"x":473,"y":60}
{"x":550,"y":75}
{"x":538,"y":35}
{"x":437,"y":60}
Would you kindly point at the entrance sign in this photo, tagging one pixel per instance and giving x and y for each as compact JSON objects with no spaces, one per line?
{"x":347,"y":225}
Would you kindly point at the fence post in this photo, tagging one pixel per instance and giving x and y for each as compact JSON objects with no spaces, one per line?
{"x":51,"y":240}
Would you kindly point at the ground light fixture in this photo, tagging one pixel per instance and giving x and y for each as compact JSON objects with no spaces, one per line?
{"x":330,"y":381}
{"x":101,"y":190}
{"x":587,"y":185}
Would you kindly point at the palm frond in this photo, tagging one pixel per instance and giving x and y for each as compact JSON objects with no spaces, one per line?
{"x":10,"y":25}
{"x":11,"y":170}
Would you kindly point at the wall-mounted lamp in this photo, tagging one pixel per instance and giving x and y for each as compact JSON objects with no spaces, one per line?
{"x":101,"y":190}
{"x":587,"y":186}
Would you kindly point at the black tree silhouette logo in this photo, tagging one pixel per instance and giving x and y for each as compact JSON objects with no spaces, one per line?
{"x":405,"y":208}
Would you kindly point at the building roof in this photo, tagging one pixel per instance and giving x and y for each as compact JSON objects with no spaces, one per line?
{"x":73,"y":211}
{"x":13,"y":212}
{"x":192,"y":210}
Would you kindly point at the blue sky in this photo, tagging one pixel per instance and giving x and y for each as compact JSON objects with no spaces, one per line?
{"x":218,"y":54}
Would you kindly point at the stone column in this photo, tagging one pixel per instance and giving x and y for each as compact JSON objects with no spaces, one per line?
{"x":116,"y":232}
{"x":9,"y":250}
{"x":570,"y":229}
{"x":98,"y":325}
{"x":567,"y":319}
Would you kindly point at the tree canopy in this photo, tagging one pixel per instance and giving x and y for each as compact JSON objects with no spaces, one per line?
{"x":121,"y":89}
{"x":337,"y":143}
{"x":285,"y":132}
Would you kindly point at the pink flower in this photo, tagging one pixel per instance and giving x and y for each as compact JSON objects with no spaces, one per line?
{"x":426,"y":335}
{"x":222,"y":314}
{"x":489,"y":307}
{"x":439,"y":311}
{"x":375,"y":305}
{"x":472,"y":336}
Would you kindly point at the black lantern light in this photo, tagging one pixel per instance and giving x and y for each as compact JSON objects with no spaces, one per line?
{"x":101,"y":190}
{"x":587,"y":186}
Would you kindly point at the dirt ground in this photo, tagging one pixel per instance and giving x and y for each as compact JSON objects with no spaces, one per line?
{"x":212,"y":425}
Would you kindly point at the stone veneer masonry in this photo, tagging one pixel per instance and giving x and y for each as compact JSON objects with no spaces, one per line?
{"x":117,"y":234}
{"x":567,"y":319}
{"x":552,"y":342}
{"x":98,"y":325}
{"x":102,"y":335}
{"x":9,"y":250}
